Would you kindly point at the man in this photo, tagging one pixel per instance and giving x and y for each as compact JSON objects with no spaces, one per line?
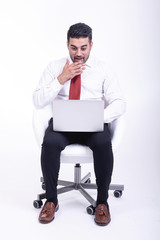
{"x":96,"y":83}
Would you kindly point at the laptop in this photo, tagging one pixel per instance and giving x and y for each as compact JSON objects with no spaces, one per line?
{"x":78,"y":115}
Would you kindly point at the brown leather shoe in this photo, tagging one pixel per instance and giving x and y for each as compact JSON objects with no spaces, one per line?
{"x":47,"y":213}
{"x":102,"y":215}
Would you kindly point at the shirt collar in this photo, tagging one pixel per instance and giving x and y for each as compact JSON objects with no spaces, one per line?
{"x":89,"y":62}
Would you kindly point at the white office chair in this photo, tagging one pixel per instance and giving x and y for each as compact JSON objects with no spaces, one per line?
{"x":76,"y":154}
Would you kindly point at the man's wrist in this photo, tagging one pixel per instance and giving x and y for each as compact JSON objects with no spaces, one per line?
{"x":60,"y":80}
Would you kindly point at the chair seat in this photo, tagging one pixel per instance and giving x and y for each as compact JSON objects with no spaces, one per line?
{"x":76,"y":153}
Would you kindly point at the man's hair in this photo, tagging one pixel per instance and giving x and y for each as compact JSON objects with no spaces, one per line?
{"x":79,"y":30}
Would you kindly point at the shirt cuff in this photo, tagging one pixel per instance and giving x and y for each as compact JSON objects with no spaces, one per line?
{"x":56,"y":85}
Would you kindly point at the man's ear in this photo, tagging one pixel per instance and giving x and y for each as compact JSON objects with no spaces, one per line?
{"x":67,"y":44}
{"x":91,"y":44}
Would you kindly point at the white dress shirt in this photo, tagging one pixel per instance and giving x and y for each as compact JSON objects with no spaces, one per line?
{"x":96,"y":83}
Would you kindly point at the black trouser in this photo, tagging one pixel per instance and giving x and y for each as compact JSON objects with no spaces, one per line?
{"x":100,"y":143}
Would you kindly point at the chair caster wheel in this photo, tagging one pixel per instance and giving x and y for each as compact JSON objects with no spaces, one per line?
{"x":117,"y":193}
{"x":90,"y":210}
{"x":43,"y":186}
{"x":37,"y":203}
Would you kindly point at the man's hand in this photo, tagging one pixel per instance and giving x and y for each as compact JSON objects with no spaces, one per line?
{"x":70,"y":71}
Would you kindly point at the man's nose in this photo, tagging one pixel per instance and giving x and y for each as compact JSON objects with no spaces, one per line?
{"x":78,"y":52}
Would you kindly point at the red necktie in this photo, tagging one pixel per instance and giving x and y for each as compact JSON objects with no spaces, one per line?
{"x":75,"y":88}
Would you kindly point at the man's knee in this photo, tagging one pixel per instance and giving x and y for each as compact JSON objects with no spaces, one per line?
{"x":51,"y":141}
{"x":100,"y":142}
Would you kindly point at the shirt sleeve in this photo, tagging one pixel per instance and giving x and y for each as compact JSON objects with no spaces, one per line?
{"x":47,"y":88}
{"x":115,"y":104}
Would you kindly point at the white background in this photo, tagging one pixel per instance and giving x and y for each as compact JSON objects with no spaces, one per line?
{"x":125,"y":34}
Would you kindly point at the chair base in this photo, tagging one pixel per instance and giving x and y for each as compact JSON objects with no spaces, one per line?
{"x":78,"y":184}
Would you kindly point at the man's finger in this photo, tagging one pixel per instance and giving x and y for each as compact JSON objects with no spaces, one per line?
{"x":67,"y":62}
{"x":79,"y":64}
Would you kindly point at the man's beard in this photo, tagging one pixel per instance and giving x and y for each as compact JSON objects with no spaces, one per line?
{"x":79,"y":59}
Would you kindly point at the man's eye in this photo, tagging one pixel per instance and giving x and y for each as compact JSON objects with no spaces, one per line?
{"x":83,"y":49}
{"x":74,"y":49}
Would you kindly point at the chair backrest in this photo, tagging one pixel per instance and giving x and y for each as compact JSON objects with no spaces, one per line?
{"x":40,"y":122}
{"x":42,"y":116}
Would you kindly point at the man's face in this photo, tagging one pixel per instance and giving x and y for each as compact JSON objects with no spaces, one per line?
{"x":79,"y":49}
